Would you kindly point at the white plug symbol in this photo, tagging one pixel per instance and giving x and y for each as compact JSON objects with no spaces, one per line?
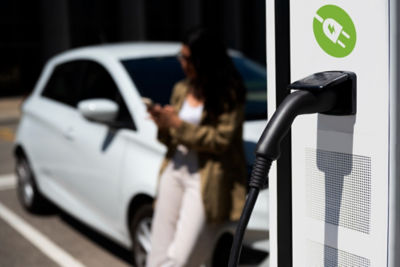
{"x":332,"y":30}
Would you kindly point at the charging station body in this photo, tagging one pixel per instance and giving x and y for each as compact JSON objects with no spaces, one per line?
{"x":343,"y":167}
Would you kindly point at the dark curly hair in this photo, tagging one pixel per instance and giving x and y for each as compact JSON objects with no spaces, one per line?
{"x":217,"y":79}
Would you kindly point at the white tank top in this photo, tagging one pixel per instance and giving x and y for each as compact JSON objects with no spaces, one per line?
{"x":185,"y":157}
{"x":191,"y":114}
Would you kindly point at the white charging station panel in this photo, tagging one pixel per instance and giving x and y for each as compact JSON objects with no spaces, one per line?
{"x":340,"y":166}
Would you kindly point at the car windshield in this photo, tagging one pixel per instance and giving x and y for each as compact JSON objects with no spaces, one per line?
{"x":155,"y":77}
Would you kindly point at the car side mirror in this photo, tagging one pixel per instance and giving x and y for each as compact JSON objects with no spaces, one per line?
{"x":99,"y":110}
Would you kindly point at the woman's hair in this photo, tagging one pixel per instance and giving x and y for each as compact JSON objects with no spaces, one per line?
{"x":217,"y":79}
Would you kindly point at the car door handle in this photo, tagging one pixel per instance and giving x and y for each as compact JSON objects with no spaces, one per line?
{"x":69,"y":134}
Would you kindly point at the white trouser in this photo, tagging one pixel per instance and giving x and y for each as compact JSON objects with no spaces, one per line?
{"x":180,"y":235}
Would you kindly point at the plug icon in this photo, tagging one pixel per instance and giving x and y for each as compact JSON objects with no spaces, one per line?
{"x":332,"y":29}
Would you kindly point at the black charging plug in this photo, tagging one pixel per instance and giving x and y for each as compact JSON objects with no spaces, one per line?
{"x":330,"y":92}
{"x":344,"y":84}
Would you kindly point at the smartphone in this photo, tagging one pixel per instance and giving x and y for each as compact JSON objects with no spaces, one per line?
{"x":148,"y":102}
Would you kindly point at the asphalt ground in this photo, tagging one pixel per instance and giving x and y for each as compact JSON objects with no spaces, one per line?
{"x":83,"y":246}
{"x":6,"y":148}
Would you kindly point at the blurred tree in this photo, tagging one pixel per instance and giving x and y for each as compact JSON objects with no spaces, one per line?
{"x":132,"y":20}
{"x":54,"y":27}
{"x":33,"y":31}
{"x":19,"y":45}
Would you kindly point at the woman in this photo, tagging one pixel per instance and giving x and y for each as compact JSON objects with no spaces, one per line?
{"x":203,"y":176}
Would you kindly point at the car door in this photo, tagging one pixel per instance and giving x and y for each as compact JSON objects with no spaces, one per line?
{"x":99,"y":150}
{"x":50,"y":124}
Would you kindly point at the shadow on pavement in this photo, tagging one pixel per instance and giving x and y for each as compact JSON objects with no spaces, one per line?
{"x":102,"y":241}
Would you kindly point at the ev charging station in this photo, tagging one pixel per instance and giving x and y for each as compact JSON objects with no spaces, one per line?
{"x":334,"y":192}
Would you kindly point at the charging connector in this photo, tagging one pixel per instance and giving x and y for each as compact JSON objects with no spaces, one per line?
{"x":331,"y":92}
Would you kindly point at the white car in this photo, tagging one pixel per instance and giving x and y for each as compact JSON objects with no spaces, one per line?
{"x":86,"y":144}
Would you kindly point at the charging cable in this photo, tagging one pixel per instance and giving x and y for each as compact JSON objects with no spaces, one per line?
{"x":319,"y":93}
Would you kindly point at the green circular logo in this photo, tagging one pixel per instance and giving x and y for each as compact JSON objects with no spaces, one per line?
{"x":334,"y":31}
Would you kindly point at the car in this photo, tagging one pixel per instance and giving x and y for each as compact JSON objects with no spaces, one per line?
{"x":86,"y":144}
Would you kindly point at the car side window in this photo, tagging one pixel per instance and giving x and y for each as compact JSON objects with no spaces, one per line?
{"x":64,"y":83}
{"x":98,"y":83}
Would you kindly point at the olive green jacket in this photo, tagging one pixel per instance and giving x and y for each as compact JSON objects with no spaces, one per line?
{"x":219,"y":145}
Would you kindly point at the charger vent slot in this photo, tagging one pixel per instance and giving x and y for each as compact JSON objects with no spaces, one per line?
{"x":320,"y":255}
{"x":339,"y":189}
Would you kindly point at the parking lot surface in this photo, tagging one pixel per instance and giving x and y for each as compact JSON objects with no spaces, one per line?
{"x":53,"y":239}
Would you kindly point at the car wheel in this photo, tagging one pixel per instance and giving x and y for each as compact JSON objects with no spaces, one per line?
{"x":28,"y":194}
{"x":140,"y":229}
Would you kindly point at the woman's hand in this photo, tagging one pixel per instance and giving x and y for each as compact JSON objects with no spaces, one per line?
{"x":155,"y":114}
{"x":171,"y":117}
{"x":165,"y":117}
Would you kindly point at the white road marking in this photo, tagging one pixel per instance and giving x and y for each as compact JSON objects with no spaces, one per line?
{"x":7,"y":181}
{"x":39,"y":240}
